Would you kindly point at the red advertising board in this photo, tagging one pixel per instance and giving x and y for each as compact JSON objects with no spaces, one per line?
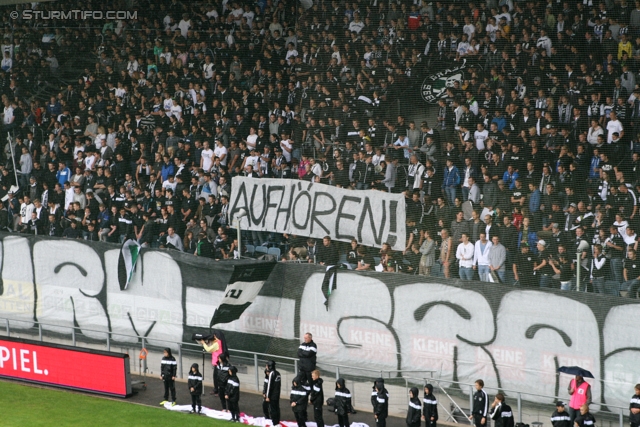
{"x":69,"y":367}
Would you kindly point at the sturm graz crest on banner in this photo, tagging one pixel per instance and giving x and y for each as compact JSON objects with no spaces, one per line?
{"x":435,"y":85}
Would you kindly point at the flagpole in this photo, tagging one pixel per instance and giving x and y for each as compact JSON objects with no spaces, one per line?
{"x":238,"y":216}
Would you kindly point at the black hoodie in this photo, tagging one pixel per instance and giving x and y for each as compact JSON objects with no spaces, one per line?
{"x":381,"y":408}
{"x":317,"y":394}
{"x":374,"y":392}
{"x":342,"y":404}
{"x":272,"y":382}
{"x":502,"y":415}
{"x":233,"y":385}
{"x":429,"y":405}
{"x":168,"y":366}
{"x":415,"y":409}
{"x":195,"y":380}
{"x":222,"y":373}
{"x":298,"y":396}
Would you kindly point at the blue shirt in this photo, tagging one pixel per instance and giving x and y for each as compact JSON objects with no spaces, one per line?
{"x":500,"y":121}
{"x":63,"y":176}
{"x":510,"y":180}
{"x":534,"y":201}
{"x":451,"y":177}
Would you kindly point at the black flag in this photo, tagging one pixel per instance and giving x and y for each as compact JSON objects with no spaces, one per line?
{"x":243,"y":288}
{"x":329,"y":283}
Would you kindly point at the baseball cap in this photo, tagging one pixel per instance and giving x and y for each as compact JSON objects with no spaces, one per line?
{"x":542,"y":242}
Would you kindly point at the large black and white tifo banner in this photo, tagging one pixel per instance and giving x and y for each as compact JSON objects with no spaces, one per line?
{"x":317,"y":210}
{"x":513,"y":338}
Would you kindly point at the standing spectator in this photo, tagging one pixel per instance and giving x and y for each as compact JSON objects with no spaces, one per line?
{"x":523,"y":267}
{"x":599,"y":269}
{"x":497,"y":258}
{"x":415,"y":409}
{"x":429,"y":406}
{"x":480,"y":408}
{"x":298,"y":399}
{"x":381,"y":408}
{"x":428,"y":251}
{"x":232,"y":394}
{"x":465,"y":256}
{"x":451,"y":181}
{"x":580,"y":392}
{"x":342,"y":405}
{"x":446,"y":252}
{"x":560,"y":417}
{"x":481,"y":256}
{"x":168,"y":367}
{"x":271,"y":393}
{"x":316,"y":398}
{"x":585,"y":418}
{"x":631,"y":274}
{"x":307,"y":353}
{"x":501,"y":413}
{"x":634,"y":407}
{"x":195,"y":388}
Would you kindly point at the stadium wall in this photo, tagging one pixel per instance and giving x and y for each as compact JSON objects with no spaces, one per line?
{"x":512,"y":338}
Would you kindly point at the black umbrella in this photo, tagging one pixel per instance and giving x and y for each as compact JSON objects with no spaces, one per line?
{"x":575,"y":370}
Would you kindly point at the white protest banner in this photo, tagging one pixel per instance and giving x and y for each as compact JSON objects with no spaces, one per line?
{"x":317,"y":210}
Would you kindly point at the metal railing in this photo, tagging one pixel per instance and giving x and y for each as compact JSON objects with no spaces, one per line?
{"x":449,"y":388}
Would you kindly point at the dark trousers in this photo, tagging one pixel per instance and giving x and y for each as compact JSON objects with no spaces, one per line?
{"x":301,"y":418}
{"x":223,"y":401}
{"x":429,"y":423}
{"x":271,"y":411}
{"x":196,"y":401}
{"x":381,"y":421}
{"x":317,"y":417}
{"x":477,"y":420}
{"x":169,"y":386}
{"x":573,"y":413}
{"x":234,"y":408}
{"x":304,"y":377}
{"x":343,"y":420}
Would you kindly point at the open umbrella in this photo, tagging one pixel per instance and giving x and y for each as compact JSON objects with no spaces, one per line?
{"x":575,"y":370}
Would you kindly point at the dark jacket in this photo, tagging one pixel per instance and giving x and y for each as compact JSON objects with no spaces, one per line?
{"x":490,"y":194}
{"x":272,"y":382}
{"x":561,"y":419}
{"x":298,"y":396}
{"x":378,"y":383}
{"x":342,"y":403}
{"x":317,"y":394}
{"x":381,"y":408}
{"x":634,"y":419}
{"x":328,"y":254}
{"x":415,"y":410}
{"x":222,"y":373}
{"x":307,"y":354}
{"x":429,"y":405}
{"x":232,"y":390}
{"x":586,"y":420}
{"x":502,"y":415}
{"x":480,"y":403}
{"x":195,"y":381}
{"x":168,"y":366}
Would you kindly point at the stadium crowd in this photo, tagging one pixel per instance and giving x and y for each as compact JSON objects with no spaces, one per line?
{"x":536,"y":124}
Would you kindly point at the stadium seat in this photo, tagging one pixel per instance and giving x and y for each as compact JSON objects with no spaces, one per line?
{"x":261,"y":250}
{"x":250,"y":250}
{"x":275,"y":252}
